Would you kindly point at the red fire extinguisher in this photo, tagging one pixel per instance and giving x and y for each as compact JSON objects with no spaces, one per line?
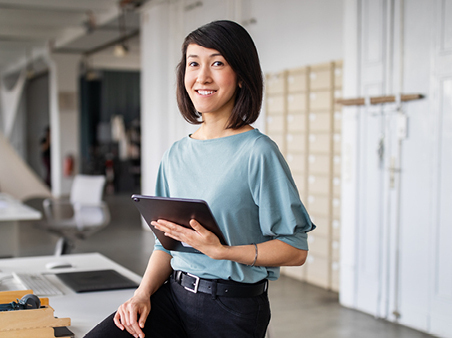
{"x":68,"y":165}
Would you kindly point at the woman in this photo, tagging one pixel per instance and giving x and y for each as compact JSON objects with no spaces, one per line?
{"x":248,"y":186}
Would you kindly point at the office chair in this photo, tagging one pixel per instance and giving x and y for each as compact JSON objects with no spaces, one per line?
{"x":88,"y":213}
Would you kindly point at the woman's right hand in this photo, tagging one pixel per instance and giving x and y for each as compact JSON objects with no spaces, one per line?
{"x":132,"y":315}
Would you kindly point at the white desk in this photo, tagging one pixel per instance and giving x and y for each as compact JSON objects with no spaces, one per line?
{"x":85,"y":309}
{"x":11,"y":211}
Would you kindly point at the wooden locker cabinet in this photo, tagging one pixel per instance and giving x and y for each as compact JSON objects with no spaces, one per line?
{"x":337,"y":119}
{"x":320,"y":101}
{"x":320,"y":122}
{"x":296,"y":122}
{"x":296,"y":103}
{"x":297,"y":80}
{"x":305,"y":121}
{"x":275,"y":124}
{"x":276,"y":104}
{"x":318,"y":245}
{"x":318,"y":184}
{"x":276,"y":83}
{"x":319,"y":164}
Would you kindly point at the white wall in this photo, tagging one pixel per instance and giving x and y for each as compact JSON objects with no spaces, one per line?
{"x":291,"y":34}
{"x":12,"y":109}
{"x":64,"y":119}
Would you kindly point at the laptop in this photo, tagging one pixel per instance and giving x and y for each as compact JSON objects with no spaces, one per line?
{"x":179,"y":211}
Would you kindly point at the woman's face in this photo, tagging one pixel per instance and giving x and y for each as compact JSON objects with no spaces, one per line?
{"x":209,"y":81}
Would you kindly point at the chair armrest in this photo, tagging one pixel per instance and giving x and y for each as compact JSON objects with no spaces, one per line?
{"x":49,"y":204}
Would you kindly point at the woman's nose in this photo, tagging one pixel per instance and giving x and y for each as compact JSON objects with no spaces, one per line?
{"x":204,"y":75}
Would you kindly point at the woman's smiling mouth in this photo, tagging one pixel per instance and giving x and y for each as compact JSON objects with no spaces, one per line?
{"x":205,"y":92}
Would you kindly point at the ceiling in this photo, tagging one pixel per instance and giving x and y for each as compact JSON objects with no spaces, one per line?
{"x":28,"y":28}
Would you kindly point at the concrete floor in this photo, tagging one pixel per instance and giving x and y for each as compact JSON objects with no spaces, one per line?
{"x":298,"y":309}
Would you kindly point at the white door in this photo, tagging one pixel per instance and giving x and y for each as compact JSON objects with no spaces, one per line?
{"x":441,"y":225}
{"x":400,"y":260}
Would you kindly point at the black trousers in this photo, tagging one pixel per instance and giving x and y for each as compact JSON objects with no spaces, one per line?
{"x":176,"y":312}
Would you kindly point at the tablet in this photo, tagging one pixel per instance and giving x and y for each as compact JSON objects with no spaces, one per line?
{"x":179,"y":211}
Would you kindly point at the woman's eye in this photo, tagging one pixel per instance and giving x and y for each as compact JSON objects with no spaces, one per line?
{"x":218,"y":63}
{"x":192,"y":64}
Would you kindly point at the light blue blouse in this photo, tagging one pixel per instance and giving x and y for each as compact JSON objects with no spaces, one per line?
{"x":249,"y":188}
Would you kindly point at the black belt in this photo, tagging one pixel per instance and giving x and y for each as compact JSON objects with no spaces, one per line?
{"x":216,"y":287}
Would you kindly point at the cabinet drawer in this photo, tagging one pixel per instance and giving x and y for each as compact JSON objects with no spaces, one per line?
{"x":320,"y":100}
{"x":296,"y":102}
{"x":296,"y":81}
{"x":337,"y":121}
{"x":337,"y":165}
{"x":275,"y":104}
{"x":320,"y":143}
{"x":320,"y":79}
{"x":296,"y":161}
{"x":338,"y":77}
{"x":337,"y":186}
{"x":318,"y":184}
{"x":319,"y":204}
{"x":319,"y":164}
{"x":318,"y":245}
{"x":321,"y":222}
{"x":336,"y":207}
{"x":335,"y":250}
{"x":337,"y":94}
{"x":275,"y":83}
{"x":296,"y":143}
{"x":336,"y":228}
{"x":337,"y":139}
{"x":321,"y":122}
{"x":275,"y":123}
{"x":296,"y":123}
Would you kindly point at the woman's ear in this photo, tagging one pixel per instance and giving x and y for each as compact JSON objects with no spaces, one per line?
{"x":240,"y":84}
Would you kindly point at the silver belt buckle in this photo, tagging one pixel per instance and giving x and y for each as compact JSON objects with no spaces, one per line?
{"x":196,"y":284}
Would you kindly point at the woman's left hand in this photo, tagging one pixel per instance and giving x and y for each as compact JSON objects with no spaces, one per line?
{"x":198,"y":237}
{"x":270,"y":253}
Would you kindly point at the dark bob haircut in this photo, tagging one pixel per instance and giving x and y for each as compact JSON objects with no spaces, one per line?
{"x":236,"y":46}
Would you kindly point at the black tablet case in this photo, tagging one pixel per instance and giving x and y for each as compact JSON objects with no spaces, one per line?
{"x":97,"y":280}
{"x":179,"y":211}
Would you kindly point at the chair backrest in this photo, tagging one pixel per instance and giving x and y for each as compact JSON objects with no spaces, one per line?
{"x":87,"y":189}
